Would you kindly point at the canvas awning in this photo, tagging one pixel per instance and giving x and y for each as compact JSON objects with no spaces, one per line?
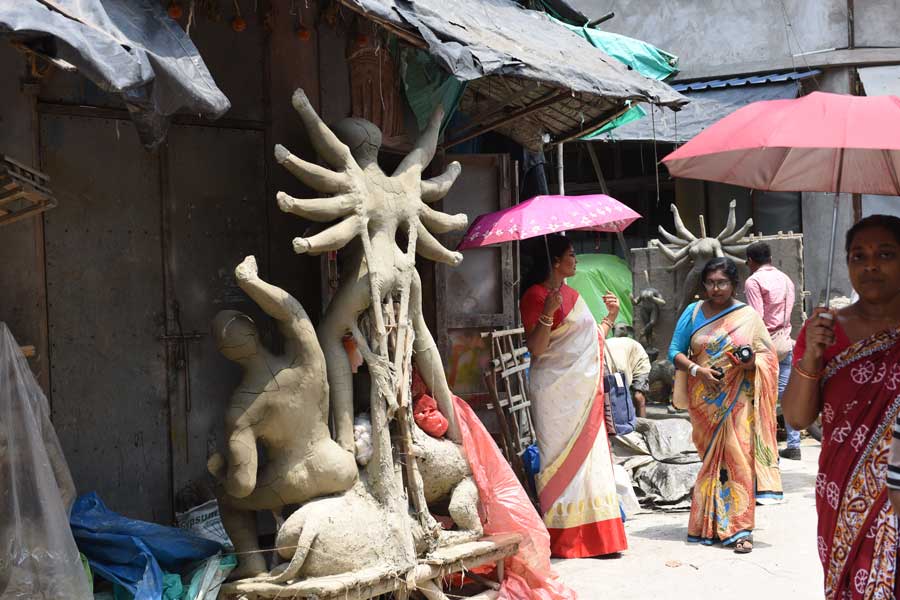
{"x":710,"y":101}
{"x":527,"y":75}
{"x":129,"y":47}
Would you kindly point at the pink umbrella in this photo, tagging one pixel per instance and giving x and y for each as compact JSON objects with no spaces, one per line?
{"x":816,"y":143}
{"x":549,"y":214}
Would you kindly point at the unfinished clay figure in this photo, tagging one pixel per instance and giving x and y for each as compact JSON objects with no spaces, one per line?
{"x":648,"y":302}
{"x":322,"y":537}
{"x":375,"y":208}
{"x":281,"y":403}
{"x":340,"y":534}
{"x":696,"y":252}
{"x":446,"y":477}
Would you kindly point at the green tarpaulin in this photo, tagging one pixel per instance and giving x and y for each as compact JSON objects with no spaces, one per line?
{"x":597,"y":273}
{"x":644,"y":58}
{"x":426,"y":85}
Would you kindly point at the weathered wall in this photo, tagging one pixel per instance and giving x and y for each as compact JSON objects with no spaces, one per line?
{"x":717,"y":37}
{"x":128,"y":436}
{"x":875,"y":23}
{"x":787,"y":253}
{"x":22,"y":300}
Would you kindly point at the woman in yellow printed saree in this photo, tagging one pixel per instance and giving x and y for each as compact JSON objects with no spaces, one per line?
{"x":732,"y":390}
{"x":576,"y":484}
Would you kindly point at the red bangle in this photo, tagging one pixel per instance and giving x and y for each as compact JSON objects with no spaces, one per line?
{"x":808,"y":375}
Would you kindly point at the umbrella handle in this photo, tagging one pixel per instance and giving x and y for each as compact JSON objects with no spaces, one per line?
{"x":834,"y":218}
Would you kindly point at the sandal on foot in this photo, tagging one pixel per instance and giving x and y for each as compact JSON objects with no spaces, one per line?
{"x":744,"y":545}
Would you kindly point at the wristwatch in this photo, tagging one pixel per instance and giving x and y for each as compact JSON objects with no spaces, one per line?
{"x":693,"y":369}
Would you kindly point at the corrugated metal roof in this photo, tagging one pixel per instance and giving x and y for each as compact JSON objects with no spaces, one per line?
{"x":695,"y":86}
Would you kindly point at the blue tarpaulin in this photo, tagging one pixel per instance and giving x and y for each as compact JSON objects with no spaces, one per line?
{"x":133,"y":553}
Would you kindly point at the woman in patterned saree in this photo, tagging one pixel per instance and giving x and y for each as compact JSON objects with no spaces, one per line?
{"x":732,"y":388}
{"x":576,"y":486}
{"x":847,"y":367}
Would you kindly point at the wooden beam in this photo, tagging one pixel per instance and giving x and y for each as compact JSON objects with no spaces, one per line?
{"x":496,"y":105}
{"x":374,"y":581}
{"x":75,"y":110}
{"x":470,"y":133}
{"x":589,"y":129}
{"x":602,"y":181}
{"x":400,"y":32}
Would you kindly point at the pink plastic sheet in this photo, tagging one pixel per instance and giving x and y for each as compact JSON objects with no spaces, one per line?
{"x":505,"y":508}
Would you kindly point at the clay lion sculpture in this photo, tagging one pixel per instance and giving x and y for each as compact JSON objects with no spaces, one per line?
{"x":340,"y":534}
{"x":323,"y":537}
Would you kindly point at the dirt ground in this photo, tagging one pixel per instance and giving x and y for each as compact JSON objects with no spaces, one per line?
{"x":659,"y":563}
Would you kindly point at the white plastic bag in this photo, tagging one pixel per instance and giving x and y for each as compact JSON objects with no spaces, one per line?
{"x":38,"y":556}
{"x":205,"y":521}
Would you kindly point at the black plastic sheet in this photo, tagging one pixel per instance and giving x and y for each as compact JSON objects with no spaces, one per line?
{"x":128,"y":47}
{"x":480,"y":38}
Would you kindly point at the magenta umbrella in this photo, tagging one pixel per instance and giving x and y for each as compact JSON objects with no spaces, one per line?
{"x":548,"y":214}
{"x":816,"y":143}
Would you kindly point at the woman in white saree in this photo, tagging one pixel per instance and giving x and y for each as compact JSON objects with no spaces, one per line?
{"x":576,"y":485}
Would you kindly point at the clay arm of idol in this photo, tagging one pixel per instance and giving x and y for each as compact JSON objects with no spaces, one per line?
{"x":439,"y":222}
{"x":428,"y":247}
{"x":731,"y":222}
{"x":737,"y":235}
{"x":318,"y":178}
{"x":423,"y":152}
{"x":333,"y":150}
{"x":293,"y":322}
{"x":436,"y":188}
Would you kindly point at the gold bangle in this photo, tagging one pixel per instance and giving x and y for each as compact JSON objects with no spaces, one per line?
{"x":806,"y":375}
{"x":607,"y":322}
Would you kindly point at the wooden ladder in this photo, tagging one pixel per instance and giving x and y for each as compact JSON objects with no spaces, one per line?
{"x":24,"y":192}
{"x":506,"y":383}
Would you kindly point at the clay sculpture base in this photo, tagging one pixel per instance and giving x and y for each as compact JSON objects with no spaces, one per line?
{"x":373,"y":581}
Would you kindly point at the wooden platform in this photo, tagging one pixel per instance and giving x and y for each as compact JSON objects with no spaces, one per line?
{"x":372,"y":582}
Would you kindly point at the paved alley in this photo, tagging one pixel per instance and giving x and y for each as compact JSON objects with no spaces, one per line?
{"x":660,"y":564}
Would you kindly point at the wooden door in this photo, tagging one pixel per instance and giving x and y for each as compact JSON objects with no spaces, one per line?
{"x":106,"y":313}
{"x":215,"y":214}
{"x":479,"y":294}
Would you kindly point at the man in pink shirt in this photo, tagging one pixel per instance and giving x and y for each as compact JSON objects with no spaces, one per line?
{"x":771,"y":293}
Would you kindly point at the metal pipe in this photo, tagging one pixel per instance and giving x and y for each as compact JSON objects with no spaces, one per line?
{"x":834,"y":219}
{"x":560,"y":170}
{"x":602,"y":19}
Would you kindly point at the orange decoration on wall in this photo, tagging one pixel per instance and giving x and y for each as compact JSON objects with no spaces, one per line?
{"x":174,"y":10}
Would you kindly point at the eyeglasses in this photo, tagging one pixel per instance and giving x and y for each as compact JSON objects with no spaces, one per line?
{"x":717,"y":285}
